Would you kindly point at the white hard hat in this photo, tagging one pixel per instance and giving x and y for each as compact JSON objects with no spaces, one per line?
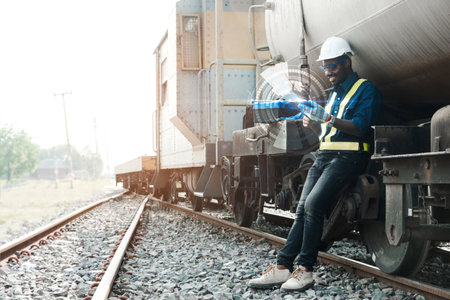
{"x":334,"y":47}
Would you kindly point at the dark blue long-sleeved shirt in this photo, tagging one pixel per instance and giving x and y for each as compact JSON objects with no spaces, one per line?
{"x":363,"y":108}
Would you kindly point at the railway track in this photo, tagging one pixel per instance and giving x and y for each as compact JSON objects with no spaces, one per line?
{"x":13,"y":249}
{"x":287,"y":221}
{"x":351,"y":266}
{"x":102,"y":285}
{"x":94,"y":238}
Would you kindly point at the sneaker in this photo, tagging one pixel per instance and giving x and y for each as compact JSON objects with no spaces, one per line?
{"x":270,"y":278}
{"x":300,"y":281}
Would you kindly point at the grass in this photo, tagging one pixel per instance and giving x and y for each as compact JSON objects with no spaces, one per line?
{"x":32,"y":201}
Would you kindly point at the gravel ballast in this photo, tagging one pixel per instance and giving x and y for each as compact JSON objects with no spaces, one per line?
{"x":184,"y":258}
{"x":174,"y":257}
{"x":67,"y":266}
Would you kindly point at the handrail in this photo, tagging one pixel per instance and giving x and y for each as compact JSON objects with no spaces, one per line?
{"x":154,"y":131}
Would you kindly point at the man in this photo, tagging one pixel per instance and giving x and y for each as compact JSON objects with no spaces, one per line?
{"x":352,"y":108}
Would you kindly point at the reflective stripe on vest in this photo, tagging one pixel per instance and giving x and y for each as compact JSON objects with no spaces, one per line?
{"x":350,"y":146}
{"x":325,"y":139}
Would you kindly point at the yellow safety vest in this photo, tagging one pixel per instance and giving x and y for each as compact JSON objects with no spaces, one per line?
{"x":325,"y":138}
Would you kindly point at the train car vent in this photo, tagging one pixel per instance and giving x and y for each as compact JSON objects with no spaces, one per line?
{"x":190,"y":42}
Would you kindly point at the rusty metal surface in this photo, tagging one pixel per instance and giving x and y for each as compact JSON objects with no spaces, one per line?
{"x":421,"y":168}
{"x":285,"y":137}
{"x":14,"y":246}
{"x":395,"y":140}
{"x":104,"y":288}
{"x":358,"y":268}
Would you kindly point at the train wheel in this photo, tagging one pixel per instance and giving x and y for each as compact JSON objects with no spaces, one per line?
{"x":245,"y":200}
{"x":195,"y":202}
{"x":325,"y":246}
{"x":173,"y":192}
{"x":225,"y":179}
{"x":405,"y":259}
{"x":242,"y":212}
{"x":166,"y":193}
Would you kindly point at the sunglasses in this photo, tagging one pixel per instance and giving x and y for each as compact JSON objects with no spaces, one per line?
{"x":332,"y":67}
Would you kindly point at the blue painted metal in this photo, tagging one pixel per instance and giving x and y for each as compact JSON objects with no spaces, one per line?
{"x":195,"y":6}
{"x":238,"y":84}
{"x":189,"y":6}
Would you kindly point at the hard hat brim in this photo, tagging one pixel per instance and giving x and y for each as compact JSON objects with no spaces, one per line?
{"x":349,"y":53}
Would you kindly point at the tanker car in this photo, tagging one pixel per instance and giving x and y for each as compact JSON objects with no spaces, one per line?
{"x":216,"y":56}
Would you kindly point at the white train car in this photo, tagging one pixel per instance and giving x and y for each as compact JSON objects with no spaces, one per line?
{"x":203,"y":86}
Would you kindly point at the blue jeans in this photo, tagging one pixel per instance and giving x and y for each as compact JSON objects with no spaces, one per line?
{"x":329,"y":174}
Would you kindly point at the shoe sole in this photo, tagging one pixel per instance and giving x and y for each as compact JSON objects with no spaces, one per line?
{"x":265,"y":286}
{"x":298,"y":290}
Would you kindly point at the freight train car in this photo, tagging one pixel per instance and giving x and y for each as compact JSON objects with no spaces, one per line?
{"x":218,"y":55}
{"x":203,"y":87}
{"x":136,"y":174}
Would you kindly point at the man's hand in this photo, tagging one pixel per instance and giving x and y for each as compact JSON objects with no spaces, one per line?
{"x":311,"y":125}
{"x":313,"y":111}
{"x":306,"y":121}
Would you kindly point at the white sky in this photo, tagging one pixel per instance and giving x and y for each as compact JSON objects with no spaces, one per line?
{"x":102,"y":51}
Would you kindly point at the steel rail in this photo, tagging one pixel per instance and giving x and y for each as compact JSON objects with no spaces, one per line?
{"x":20,"y":243}
{"x":105,"y":285}
{"x":279,"y":220}
{"x":365,"y":270}
{"x":353,"y":266}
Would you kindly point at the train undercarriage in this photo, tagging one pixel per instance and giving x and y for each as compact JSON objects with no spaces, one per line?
{"x":137,"y":182}
{"x":400,"y":206}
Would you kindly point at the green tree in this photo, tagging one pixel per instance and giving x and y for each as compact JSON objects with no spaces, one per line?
{"x":81,"y":160}
{"x":91,"y":162}
{"x":18,"y":155}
